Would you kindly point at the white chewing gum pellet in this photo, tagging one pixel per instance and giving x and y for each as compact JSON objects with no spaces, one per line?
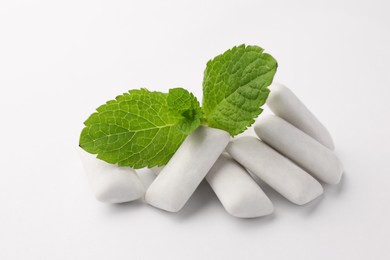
{"x":312,"y":156}
{"x":186,"y":169}
{"x":110,"y":183}
{"x":238,"y":192}
{"x":285,"y":104}
{"x":277,"y":171}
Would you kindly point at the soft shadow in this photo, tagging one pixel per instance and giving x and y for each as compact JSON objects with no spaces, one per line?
{"x":250,"y":223}
{"x":330,"y":192}
{"x":121,"y":208}
{"x":312,"y":206}
{"x":202,"y":198}
{"x":337,"y":189}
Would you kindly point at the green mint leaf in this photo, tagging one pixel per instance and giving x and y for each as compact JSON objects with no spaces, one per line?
{"x":185,"y":105}
{"x":137,"y":129}
{"x":235,"y":87}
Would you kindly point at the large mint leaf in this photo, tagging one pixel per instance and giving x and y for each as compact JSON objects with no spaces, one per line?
{"x":235,"y":87}
{"x":136,"y":129}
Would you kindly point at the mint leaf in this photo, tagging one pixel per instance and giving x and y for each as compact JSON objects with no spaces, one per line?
{"x":136,"y":129}
{"x":185,"y":105}
{"x":235,"y":87}
{"x":144,"y":129}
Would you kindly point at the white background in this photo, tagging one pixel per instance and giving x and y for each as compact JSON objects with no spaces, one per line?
{"x":59,"y":60}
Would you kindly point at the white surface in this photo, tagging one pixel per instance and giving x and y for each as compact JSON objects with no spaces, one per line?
{"x":61,"y":59}
{"x":179,"y":179}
